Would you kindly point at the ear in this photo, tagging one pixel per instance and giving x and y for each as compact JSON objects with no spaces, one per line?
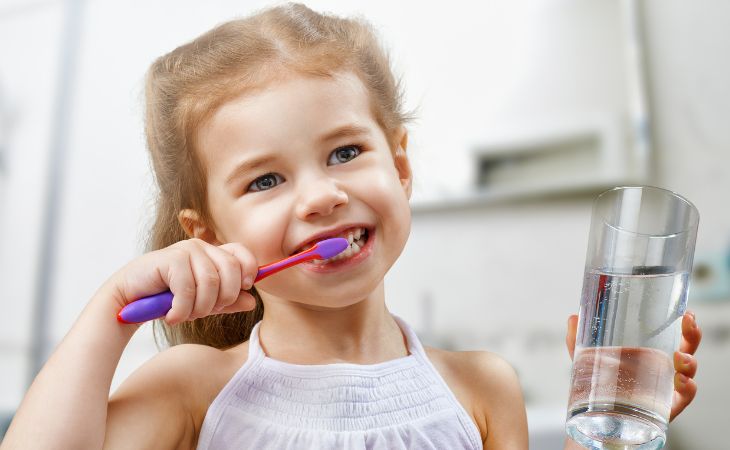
{"x":402,"y":165}
{"x":195,"y":227}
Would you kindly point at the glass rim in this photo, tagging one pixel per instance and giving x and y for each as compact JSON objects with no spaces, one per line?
{"x":648,"y":235}
{"x":692,"y":223}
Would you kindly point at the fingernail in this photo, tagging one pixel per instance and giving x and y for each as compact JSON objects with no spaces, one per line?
{"x":686,"y":359}
{"x":247,"y":282}
{"x":694,"y":319}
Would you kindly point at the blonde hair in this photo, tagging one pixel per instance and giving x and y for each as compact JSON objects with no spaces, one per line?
{"x":184,"y":88}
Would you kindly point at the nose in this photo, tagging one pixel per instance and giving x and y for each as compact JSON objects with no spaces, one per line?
{"x":319,"y":197}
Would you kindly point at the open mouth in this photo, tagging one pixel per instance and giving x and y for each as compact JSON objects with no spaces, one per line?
{"x":357,"y":237}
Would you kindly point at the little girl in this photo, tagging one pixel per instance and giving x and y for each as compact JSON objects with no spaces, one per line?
{"x":268,"y":134}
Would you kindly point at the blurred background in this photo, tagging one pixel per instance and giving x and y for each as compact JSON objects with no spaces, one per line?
{"x":526,"y":111}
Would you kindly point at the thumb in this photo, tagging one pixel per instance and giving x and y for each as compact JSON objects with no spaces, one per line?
{"x":245,"y":302}
{"x":570,"y":336}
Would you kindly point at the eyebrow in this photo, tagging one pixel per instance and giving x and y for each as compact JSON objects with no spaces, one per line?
{"x":345,"y":131}
{"x":249,"y":166}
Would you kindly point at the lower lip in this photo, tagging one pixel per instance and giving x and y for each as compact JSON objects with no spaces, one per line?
{"x":342,"y":264}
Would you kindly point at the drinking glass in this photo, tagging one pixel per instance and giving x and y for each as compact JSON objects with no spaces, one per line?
{"x":639,"y":258}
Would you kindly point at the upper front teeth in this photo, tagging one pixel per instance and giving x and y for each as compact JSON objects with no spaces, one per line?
{"x":353,"y":236}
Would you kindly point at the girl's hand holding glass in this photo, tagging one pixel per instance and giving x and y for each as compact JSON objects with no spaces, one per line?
{"x":685,"y":364}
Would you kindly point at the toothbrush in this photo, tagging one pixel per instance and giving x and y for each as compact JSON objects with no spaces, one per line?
{"x":157,"y":305}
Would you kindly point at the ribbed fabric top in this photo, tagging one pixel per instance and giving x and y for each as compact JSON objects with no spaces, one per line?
{"x":399,"y":404}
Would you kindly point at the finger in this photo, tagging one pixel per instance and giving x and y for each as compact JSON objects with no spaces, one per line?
{"x":207,"y":279}
{"x":229,"y":271}
{"x":691,"y":334}
{"x":181,"y":281}
{"x":249,"y":267}
{"x":685,"y":364}
{"x":685,"y":390}
{"x":244,"y":302}
{"x":570,"y":336}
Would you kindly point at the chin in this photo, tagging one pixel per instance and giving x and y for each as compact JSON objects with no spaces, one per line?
{"x":332,"y":297}
{"x":334,"y":306}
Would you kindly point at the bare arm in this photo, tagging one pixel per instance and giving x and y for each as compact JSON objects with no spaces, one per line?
{"x":487,"y":387}
{"x":66,"y":405}
{"x":504,"y":406}
{"x":159,"y":406}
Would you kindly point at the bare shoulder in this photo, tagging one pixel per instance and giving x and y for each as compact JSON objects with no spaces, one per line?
{"x":478,"y":375}
{"x":488,"y":388}
{"x":194,"y":372}
{"x":167,"y":397}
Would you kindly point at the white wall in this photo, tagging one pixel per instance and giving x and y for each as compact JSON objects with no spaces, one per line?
{"x":691,"y":105}
{"x":29,"y":54}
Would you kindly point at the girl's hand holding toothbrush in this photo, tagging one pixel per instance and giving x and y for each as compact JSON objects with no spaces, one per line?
{"x":204,"y":275}
{"x":204,"y":278}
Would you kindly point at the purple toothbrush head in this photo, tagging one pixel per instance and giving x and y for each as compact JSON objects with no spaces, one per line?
{"x":330,"y":247}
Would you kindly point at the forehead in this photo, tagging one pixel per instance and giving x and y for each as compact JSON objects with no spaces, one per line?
{"x":295,"y":111}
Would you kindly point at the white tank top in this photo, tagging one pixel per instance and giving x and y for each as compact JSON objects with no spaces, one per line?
{"x":399,"y":404}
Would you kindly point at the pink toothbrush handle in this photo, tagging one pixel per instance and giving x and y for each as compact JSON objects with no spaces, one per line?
{"x":270,"y":269}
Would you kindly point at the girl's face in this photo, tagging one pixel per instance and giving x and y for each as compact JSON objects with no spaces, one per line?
{"x":300,"y":161}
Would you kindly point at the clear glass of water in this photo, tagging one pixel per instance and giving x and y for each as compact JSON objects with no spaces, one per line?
{"x":640,"y":252}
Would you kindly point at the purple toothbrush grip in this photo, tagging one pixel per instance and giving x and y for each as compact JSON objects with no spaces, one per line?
{"x":146,"y":308}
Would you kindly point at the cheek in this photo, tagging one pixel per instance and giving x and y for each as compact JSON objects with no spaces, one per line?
{"x":260,"y":227}
{"x":386,"y":196}
{"x":403,"y":227}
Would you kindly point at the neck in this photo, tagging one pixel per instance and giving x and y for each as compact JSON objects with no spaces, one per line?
{"x":363,"y":332}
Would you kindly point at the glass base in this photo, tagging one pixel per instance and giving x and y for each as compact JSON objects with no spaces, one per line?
{"x":616,"y":427}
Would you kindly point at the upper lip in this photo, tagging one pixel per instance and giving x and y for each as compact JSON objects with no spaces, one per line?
{"x":326,"y":234}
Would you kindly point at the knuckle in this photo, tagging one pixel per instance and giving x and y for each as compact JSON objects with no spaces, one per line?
{"x":192,"y":244}
{"x":241,"y":251}
{"x":188,"y":290}
{"x":210,"y":278}
{"x":231,"y":261}
{"x":237,"y":246}
{"x":228,"y":264}
{"x":181,"y":244}
{"x":179,"y":252}
{"x":178,"y":244}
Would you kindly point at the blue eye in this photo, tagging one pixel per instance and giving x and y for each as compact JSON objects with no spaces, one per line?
{"x":343,"y":154}
{"x":265,"y":182}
